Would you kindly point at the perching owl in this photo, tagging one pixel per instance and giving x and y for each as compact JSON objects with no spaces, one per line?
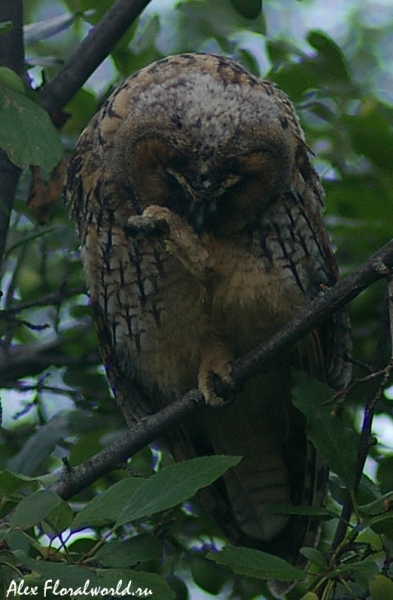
{"x":199,"y":216}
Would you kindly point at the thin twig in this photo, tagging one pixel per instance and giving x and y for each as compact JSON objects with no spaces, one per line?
{"x":376,"y":388}
{"x":55,"y":298}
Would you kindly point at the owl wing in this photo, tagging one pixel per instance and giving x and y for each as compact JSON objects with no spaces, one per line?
{"x":88,"y":185}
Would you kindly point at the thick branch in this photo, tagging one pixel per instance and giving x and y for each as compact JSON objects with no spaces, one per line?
{"x":29,"y":360}
{"x":12,"y":56}
{"x":55,"y":94}
{"x":90,"y":53}
{"x":150,"y":428}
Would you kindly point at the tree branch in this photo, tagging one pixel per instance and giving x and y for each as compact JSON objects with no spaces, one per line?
{"x":379,"y":265}
{"x":28,"y":360}
{"x":376,"y":388}
{"x":153,"y":427}
{"x":55,"y":94}
{"x":90,"y":53}
{"x":11,"y":56}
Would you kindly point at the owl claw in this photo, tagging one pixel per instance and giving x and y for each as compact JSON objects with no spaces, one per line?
{"x":148,"y":225}
{"x":211,"y":367}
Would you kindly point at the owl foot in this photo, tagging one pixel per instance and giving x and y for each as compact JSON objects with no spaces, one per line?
{"x":176,"y":236}
{"x":213,"y":365}
{"x":150,"y":225}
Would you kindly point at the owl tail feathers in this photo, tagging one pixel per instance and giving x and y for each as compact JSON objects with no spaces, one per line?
{"x":254,"y":484}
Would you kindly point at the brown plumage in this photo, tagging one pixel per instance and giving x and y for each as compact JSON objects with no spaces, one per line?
{"x":199,"y":215}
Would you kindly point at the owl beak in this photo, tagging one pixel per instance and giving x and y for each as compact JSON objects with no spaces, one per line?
{"x":198,"y":191}
{"x":198,"y":214}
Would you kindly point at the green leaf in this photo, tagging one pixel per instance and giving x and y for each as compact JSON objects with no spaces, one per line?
{"x":58,"y":519}
{"x":105,"y":508}
{"x":10,"y":483}
{"x":377,"y":506}
{"x":255,"y":563}
{"x":207,"y":575}
{"x":34,"y":509}
{"x":335,"y":60}
{"x":139,"y":582}
{"x":69,"y":576}
{"x":381,"y":588}
{"x":26,"y":132}
{"x":330,"y":436}
{"x":39,"y":445}
{"x":314,"y":556}
{"x":35,"y":32}
{"x":127,"y":553}
{"x":9,"y":78}
{"x":247,"y":8}
{"x":173,"y":485}
{"x":370,"y":131}
{"x":6,"y":26}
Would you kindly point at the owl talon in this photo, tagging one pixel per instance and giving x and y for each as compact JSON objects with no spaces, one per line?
{"x":214,"y":367}
{"x":150,"y":226}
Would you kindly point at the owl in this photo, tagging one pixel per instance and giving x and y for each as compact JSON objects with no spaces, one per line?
{"x":199,"y":216}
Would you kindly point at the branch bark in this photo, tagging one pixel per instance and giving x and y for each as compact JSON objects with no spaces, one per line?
{"x":150,"y":428}
{"x":90,"y":53}
{"x":55,"y":94}
{"x":11,"y":56}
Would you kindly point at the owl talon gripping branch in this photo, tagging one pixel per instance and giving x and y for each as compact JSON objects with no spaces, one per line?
{"x":199,"y":215}
{"x":216,"y":361}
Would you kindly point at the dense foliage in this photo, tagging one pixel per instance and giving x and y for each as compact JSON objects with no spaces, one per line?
{"x":136,"y":522}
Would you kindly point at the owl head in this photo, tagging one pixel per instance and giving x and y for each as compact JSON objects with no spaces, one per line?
{"x":200,"y":135}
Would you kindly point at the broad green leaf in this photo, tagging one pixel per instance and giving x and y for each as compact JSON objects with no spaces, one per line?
{"x":69,"y":576}
{"x":34,"y":509}
{"x":6,"y":26}
{"x":58,"y":519}
{"x":35,"y":32}
{"x":330,"y":436}
{"x":19,"y":540}
{"x":138,"y":583}
{"x":381,"y":588}
{"x":178,"y":586}
{"x":309,"y":596}
{"x":26,"y":132}
{"x":207,"y":575}
{"x":377,"y":506}
{"x":173,"y":485}
{"x":382,"y":524}
{"x":370,"y":131}
{"x":255,"y":563}
{"x":105,"y":508}
{"x":366,"y":568}
{"x":39,"y":445}
{"x":335,"y":60}
{"x":127,"y":553}
{"x":11,"y":483}
{"x":9,"y":78}
{"x":215,"y":19}
{"x":314,"y":556}
{"x":247,"y":8}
